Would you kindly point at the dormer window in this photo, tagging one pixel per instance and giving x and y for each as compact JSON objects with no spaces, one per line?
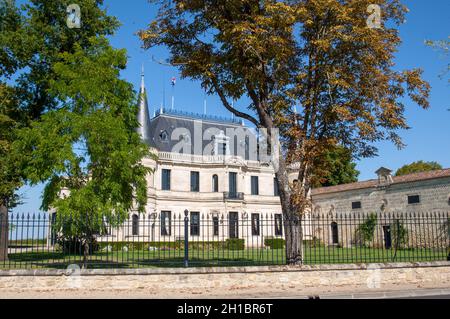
{"x":384,"y":176}
{"x":164,"y":136}
{"x":221,"y":144}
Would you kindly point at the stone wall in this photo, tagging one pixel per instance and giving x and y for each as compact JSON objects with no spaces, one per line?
{"x":434,"y":197}
{"x":232,"y":279}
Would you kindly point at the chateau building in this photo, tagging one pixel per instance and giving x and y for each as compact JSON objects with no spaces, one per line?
{"x":213,"y":167}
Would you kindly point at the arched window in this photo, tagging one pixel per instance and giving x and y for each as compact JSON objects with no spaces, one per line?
{"x":215,"y":183}
{"x":334,"y":233}
{"x":135,"y":225}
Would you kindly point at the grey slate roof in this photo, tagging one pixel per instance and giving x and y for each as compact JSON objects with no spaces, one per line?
{"x":169,"y":130}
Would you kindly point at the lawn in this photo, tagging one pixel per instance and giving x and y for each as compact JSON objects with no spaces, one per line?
{"x":215,"y":257}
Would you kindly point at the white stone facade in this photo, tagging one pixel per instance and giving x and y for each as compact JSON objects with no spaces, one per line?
{"x":207,"y":202}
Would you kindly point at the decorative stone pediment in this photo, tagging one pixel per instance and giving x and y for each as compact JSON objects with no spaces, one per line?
{"x":384,"y":177}
{"x":236,"y":160}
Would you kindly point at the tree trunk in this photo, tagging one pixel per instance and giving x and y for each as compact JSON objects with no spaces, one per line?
{"x":86,"y":252}
{"x":294,"y":243}
{"x":3,"y":233}
{"x":292,"y":218}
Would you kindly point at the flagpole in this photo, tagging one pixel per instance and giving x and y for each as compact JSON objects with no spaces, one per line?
{"x":173,"y":93}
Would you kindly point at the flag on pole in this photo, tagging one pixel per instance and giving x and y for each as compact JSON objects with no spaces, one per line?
{"x":173,"y":81}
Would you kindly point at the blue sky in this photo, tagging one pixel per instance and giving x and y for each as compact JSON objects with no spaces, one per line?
{"x":429,"y":136}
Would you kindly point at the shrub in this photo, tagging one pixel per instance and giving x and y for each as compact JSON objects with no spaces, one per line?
{"x":119,"y":245}
{"x":274,"y":243}
{"x":58,"y":248}
{"x":235,"y":244}
{"x":365,"y":232}
{"x":399,"y":234}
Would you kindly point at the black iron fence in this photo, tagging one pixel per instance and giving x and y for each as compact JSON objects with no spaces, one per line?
{"x":169,"y":239}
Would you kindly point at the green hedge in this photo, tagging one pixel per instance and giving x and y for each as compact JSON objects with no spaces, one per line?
{"x":235,"y":244}
{"x":119,"y":245}
{"x":274,"y":243}
{"x":230,"y":244}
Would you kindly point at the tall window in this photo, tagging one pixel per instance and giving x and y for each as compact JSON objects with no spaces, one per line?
{"x":222,"y":148}
{"x":247,"y":148}
{"x":195,"y":223}
{"x":215,"y":183}
{"x":255,"y":185}
{"x":232,"y":185}
{"x":334,"y":233}
{"x":276,"y":191}
{"x":166,"y":219}
{"x":233,"y":225}
{"x":278,"y":225}
{"x":195,"y":181}
{"x":215,"y":226}
{"x":135,"y":225}
{"x":165,"y":179}
{"x":255,"y":224}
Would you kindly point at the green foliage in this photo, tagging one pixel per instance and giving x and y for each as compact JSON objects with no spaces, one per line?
{"x":399,"y":234}
{"x":33,"y":39}
{"x":118,"y":246}
{"x":75,"y":246}
{"x":161,"y":245}
{"x":274,"y":243}
{"x":335,"y":167}
{"x":365,"y":231}
{"x":417,"y":167}
{"x":235,"y":244}
{"x":78,"y":133}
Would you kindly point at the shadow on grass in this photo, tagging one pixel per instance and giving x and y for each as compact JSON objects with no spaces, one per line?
{"x":54,"y":260}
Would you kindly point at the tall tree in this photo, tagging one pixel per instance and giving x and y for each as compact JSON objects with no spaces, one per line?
{"x":334,"y":167}
{"x":78,"y":118}
{"x":11,"y":56}
{"x":321,"y":55}
{"x":417,"y":167}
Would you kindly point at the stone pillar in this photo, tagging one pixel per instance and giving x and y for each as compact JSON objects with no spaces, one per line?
{"x":3,"y":233}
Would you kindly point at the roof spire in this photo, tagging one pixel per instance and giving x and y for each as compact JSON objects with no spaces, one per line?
{"x":143,"y":115}
{"x":142,"y":78}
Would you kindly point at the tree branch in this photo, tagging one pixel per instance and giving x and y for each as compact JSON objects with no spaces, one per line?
{"x":229,"y":107}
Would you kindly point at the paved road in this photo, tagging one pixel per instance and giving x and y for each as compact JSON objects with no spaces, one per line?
{"x":398,"y":294}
